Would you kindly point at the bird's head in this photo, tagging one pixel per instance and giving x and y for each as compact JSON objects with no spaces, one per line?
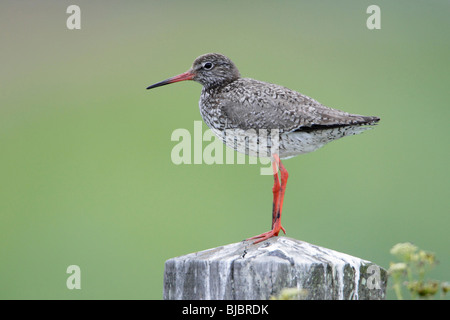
{"x":210,"y":70}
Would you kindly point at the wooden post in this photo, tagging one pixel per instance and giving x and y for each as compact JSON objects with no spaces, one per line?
{"x":247,"y":271}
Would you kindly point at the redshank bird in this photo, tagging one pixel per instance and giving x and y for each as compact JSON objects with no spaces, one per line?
{"x":247,"y":108}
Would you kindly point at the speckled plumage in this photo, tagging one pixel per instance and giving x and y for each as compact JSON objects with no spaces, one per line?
{"x":245,"y":106}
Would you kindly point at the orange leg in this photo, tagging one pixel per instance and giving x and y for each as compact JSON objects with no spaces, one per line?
{"x":276,"y":194}
{"x":278,"y":197}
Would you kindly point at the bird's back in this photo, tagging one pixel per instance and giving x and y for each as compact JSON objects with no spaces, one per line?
{"x":251,"y":104}
{"x":303,"y":123}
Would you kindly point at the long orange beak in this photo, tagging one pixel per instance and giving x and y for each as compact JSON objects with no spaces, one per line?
{"x":181,"y":77}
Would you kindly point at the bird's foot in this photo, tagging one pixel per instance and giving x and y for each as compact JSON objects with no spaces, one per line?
{"x":267,"y":235}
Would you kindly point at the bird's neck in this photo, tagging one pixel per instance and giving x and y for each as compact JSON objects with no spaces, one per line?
{"x":212,"y":87}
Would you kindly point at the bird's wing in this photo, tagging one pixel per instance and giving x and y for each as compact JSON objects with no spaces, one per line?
{"x":254,"y":104}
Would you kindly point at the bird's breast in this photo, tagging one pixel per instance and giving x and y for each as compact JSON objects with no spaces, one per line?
{"x":211,"y":112}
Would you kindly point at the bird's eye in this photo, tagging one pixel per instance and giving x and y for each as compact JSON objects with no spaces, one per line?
{"x":207,"y":65}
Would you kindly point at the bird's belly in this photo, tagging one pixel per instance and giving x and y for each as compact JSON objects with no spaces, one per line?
{"x":255,"y":143}
{"x":295,"y":143}
{"x":264,"y":143}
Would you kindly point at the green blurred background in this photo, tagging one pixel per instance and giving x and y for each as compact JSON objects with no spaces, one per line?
{"x":85,"y":168}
